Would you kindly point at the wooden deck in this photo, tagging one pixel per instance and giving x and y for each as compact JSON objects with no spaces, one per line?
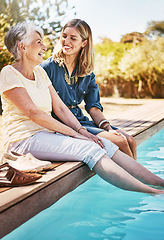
{"x":19,"y":204}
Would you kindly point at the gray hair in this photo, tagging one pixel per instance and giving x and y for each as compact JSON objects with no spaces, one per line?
{"x":21,"y":32}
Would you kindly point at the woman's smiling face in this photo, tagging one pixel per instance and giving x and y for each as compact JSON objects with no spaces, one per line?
{"x":36,"y":49}
{"x":71,"y":42}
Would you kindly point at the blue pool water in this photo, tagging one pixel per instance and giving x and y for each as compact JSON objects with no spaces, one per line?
{"x":98,"y":210}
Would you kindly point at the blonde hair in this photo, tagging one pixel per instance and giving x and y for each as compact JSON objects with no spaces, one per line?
{"x":86,"y":56}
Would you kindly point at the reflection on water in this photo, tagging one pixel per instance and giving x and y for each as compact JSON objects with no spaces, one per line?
{"x":157,"y":154}
{"x":98,"y":210}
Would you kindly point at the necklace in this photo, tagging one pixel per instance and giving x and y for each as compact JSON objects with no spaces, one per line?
{"x":68,"y":79}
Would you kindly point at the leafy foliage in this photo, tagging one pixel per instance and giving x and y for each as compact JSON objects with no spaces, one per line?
{"x":155,"y":28}
{"x":135,"y":63}
{"x":134,"y":37}
{"x":5,"y":57}
{"x":113,"y":49}
{"x":145,"y":63}
{"x":136,"y":69}
{"x":48,"y":14}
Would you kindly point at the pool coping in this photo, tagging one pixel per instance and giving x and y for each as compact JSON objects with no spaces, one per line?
{"x":17,"y":205}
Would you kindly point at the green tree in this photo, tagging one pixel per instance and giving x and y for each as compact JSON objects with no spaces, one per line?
{"x":48,"y":14}
{"x":135,"y":70}
{"x":108,"y":56}
{"x":155,"y":28}
{"x":134,"y":37}
{"x":5,"y":56}
{"x":113,"y":49}
{"x":144,"y":64}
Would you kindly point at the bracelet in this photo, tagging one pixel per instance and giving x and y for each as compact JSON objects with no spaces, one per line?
{"x":106,"y":126}
{"x":81,"y":128}
{"x":103,"y":121}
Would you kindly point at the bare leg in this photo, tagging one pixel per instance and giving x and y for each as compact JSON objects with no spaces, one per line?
{"x":117,"y":176}
{"x":132,"y":144}
{"x":120,"y":141}
{"x":136,"y":169}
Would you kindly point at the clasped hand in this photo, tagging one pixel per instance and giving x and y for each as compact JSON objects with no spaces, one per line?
{"x":90,"y":137}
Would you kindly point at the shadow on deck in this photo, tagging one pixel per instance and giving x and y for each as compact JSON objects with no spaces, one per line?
{"x":19,"y":204}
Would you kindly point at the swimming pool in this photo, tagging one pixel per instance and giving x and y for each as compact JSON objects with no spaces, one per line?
{"x":98,"y":210}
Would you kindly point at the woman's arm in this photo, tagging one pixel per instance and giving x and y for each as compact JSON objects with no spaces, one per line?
{"x":62,"y":112}
{"x":98,"y":117}
{"x":20,"y":98}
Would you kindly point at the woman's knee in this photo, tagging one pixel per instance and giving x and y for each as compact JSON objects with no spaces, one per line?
{"x":122,"y":143}
{"x":131,"y":140}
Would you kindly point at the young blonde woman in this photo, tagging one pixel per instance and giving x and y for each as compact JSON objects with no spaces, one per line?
{"x":71,"y":73}
{"x":28,"y":98}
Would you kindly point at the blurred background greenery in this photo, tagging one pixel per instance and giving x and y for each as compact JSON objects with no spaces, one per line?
{"x":131,"y":68}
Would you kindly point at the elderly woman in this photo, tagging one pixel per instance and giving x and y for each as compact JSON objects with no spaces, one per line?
{"x":28,"y":98}
{"x":70,"y":70}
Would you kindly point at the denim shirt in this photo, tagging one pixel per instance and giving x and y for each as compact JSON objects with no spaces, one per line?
{"x":85,"y":89}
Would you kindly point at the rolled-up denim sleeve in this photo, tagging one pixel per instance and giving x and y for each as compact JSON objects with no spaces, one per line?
{"x":92,"y":98}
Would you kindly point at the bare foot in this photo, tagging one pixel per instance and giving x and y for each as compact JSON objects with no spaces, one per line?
{"x":158,"y":191}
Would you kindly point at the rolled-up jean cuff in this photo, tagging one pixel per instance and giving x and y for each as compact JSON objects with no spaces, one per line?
{"x":110,"y":147}
{"x":112,"y":151}
{"x":92,"y":160}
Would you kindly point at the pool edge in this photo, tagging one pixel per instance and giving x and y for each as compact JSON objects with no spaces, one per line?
{"x":15,"y":215}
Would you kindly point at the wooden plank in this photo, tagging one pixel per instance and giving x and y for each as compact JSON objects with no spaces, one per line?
{"x":144,"y":123}
{"x":142,"y":136}
{"x":140,"y":116}
{"x":69,"y":175}
{"x":142,"y":128}
{"x":17,"y":194}
{"x":156,"y":106}
{"x":55,"y":164}
{"x":137,"y":116}
{"x":18,"y":213}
